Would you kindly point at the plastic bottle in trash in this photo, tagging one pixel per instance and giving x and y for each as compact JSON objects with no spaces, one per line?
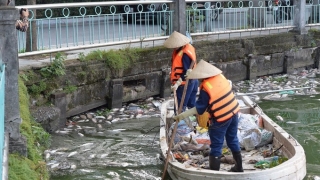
{"x":270,"y":159}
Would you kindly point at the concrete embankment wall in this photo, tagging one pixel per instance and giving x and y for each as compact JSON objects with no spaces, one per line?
{"x":239,"y":59}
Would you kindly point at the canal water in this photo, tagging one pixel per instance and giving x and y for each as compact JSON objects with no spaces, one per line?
{"x":130,"y":149}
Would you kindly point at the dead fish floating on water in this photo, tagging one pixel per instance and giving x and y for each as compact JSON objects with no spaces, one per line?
{"x":292,"y":122}
{"x":62,"y":132}
{"x":73,"y":153}
{"x":279,"y":118}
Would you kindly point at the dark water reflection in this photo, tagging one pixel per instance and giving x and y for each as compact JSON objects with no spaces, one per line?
{"x":131,"y":153}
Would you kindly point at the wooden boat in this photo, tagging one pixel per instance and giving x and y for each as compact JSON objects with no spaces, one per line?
{"x":292,"y":169}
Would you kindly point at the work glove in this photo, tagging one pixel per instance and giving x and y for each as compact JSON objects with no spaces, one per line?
{"x":176,"y":85}
{"x":185,"y":114}
{"x":188,"y":73}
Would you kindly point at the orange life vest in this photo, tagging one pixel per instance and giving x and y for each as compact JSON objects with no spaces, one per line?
{"x":223,"y":104}
{"x":177,"y":65}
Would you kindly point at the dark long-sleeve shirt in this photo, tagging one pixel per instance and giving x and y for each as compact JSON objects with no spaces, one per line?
{"x":186,"y":61}
{"x":203,"y":102}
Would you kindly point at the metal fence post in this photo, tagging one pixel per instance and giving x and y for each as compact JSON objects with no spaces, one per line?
{"x":179,"y":16}
{"x":9,"y":48}
{"x":300,"y":16}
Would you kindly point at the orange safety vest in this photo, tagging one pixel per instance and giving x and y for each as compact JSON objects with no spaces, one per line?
{"x":177,"y":65}
{"x":222,"y":104}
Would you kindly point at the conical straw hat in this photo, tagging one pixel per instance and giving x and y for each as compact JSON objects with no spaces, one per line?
{"x":176,"y":40}
{"x":204,"y":70}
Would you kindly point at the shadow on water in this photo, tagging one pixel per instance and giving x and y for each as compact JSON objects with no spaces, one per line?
{"x":302,"y":120}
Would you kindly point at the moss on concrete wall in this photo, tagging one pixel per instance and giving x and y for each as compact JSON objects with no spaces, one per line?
{"x":33,"y":166}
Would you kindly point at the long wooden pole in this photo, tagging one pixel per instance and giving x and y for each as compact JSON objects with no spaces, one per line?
{"x":176,"y":125}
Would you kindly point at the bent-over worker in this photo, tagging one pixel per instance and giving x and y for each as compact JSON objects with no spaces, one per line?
{"x":217,"y":98}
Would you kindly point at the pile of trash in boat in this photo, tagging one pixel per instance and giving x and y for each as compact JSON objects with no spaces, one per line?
{"x":192,"y":145}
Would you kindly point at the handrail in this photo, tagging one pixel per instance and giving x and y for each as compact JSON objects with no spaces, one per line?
{"x":2,"y":113}
{"x":109,"y":3}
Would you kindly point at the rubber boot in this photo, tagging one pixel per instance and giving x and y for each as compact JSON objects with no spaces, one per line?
{"x":214,"y":163}
{"x":238,"y":159}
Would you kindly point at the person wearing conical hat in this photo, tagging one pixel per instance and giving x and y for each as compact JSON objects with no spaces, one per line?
{"x":216,"y":98}
{"x":182,"y":57}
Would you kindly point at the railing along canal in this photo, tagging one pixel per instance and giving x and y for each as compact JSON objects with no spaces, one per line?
{"x":73,"y":26}
{"x":2,"y":113}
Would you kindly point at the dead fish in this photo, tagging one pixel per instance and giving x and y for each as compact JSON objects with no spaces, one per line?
{"x":100,"y":117}
{"x":94,"y":120}
{"x":73,"y":167}
{"x":124,"y":116}
{"x":155,"y":115}
{"x":99,"y":126}
{"x":227,"y":159}
{"x":115,"y":120}
{"x":62,"y":132}
{"x":279,"y":118}
{"x":86,"y":145}
{"x":123,"y":119}
{"x":92,"y":156}
{"x":176,"y":147}
{"x":292,"y":122}
{"x":156,"y":103}
{"x":86,"y":170}
{"x":139,"y":116}
{"x":145,"y":116}
{"x":191,"y":147}
{"x":115,"y":109}
{"x":149,"y":99}
{"x":103,"y":155}
{"x":189,"y":140}
{"x":47,"y":156}
{"x":54,"y":166}
{"x":73,"y":153}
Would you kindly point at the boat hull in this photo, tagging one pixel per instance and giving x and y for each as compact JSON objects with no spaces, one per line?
{"x":292,"y":169}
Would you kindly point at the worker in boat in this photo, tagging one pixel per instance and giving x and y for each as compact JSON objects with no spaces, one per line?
{"x":182,"y":57}
{"x":217,"y":98}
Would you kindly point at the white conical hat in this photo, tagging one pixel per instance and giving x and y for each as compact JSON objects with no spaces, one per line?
{"x":204,"y":70}
{"x":176,"y":40}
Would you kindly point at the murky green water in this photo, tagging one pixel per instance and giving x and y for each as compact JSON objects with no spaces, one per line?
{"x":131,"y":153}
{"x":304,"y":110}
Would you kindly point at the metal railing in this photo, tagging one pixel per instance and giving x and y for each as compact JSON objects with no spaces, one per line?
{"x":74,"y":26}
{"x":2,"y":113}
